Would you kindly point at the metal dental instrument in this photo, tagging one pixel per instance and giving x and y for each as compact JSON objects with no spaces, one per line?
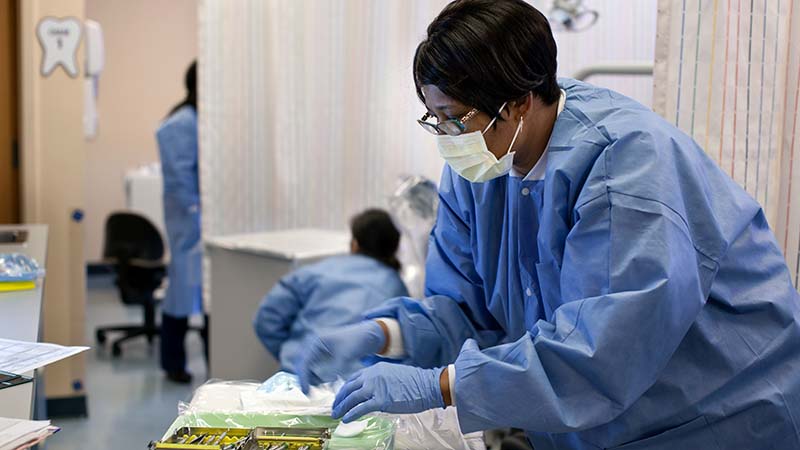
{"x":221,"y":437}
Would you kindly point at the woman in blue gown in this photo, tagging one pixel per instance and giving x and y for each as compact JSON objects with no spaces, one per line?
{"x":333,"y":292}
{"x":177,"y":145}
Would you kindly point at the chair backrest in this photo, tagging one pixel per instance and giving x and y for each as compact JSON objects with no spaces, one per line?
{"x":132,"y":236}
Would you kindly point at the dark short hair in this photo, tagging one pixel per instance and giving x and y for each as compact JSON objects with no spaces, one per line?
{"x":377,"y":236}
{"x":190,"y":83}
{"x":486,"y":52}
{"x":190,"y":78}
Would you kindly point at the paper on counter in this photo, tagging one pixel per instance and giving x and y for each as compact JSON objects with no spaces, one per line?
{"x":16,"y":434}
{"x":20,"y":356}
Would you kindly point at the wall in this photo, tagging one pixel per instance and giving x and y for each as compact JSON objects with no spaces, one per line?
{"x":53,"y":181}
{"x":620,"y":34}
{"x":149,"y":45}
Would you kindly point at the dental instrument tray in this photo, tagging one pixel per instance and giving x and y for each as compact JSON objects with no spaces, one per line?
{"x":205,"y":438}
{"x":259,"y":438}
{"x":264,"y":438}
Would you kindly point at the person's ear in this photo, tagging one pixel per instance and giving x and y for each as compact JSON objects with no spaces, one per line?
{"x":521,"y":106}
{"x":354,"y":248}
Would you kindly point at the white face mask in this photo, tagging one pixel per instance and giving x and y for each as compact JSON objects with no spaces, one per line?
{"x":469,"y":156}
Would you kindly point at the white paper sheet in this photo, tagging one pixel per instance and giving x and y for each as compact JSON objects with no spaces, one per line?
{"x":20,"y":356}
{"x":15,"y":433}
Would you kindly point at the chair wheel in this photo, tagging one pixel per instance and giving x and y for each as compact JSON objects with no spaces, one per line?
{"x":116,"y":350}
{"x":100,"y":335}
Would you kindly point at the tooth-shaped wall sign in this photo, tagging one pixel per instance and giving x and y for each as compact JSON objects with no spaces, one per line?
{"x":59,"y":39}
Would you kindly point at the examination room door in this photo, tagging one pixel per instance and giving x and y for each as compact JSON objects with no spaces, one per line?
{"x":9,"y":159}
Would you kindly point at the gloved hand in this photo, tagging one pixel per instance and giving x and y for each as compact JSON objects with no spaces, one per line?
{"x":388,"y":387}
{"x":331,"y":353}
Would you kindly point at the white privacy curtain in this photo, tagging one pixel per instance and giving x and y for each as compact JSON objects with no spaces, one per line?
{"x":308,"y":111}
{"x":728,"y":73}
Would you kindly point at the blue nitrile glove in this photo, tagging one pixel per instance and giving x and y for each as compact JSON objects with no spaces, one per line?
{"x":391,"y":388}
{"x":330,"y":354}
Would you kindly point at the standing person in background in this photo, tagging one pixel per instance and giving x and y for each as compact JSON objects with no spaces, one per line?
{"x":177,"y":143}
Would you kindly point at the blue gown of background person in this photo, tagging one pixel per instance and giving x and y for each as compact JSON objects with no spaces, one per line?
{"x":333,"y":292}
{"x":177,"y":142}
{"x":635,"y":298}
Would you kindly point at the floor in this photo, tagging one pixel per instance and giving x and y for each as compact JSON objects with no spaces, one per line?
{"x":130,"y":401}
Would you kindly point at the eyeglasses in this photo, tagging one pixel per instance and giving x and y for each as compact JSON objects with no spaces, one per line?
{"x":453,"y":127}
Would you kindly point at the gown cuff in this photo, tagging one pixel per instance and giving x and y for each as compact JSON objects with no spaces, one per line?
{"x":396,"y":349}
{"x":451,"y":374}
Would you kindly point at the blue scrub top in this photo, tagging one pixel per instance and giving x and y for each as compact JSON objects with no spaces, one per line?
{"x":177,"y":145}
{"x":633,"y":299}
{"x":333,"y":292}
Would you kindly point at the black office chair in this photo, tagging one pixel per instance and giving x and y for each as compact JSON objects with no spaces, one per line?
{"x":134,"y":248}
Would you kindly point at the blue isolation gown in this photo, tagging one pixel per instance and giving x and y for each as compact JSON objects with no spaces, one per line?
{"x":635,"y":298}
{"x":177,"y":143}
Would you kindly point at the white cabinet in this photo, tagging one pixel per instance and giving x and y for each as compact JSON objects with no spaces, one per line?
{"x":242,"y":269}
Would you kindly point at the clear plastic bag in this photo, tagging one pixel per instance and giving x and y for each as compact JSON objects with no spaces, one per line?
{"x":378,"y":434}
{"x":282,"y":393}
{"x":18,"y":267}
{"x":436,"y":429}
{"x":280,"y":402}
{"x":413,"y":207}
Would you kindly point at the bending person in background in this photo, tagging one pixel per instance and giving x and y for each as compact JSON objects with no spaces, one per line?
{"x":177,"y":144}
{"x":333,"y":292}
